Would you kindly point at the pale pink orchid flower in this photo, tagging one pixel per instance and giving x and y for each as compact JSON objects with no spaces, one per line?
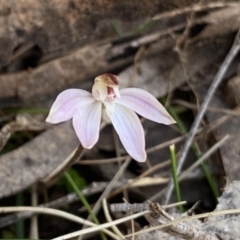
{"x":86,"y":108}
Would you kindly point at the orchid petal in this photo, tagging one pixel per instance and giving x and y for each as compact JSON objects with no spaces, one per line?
{"x":130,"y":131}
{"x":87,"y":124}
{"x":146,"y":105}
{"x":67,"y":103}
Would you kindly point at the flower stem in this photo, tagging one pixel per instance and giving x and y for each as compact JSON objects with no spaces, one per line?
{"x":64,"y":166}
{"x":83,"y":200}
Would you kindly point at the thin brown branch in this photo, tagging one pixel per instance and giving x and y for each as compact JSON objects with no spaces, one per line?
{"x":66,"y":164}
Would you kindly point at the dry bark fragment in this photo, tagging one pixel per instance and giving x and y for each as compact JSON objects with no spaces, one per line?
{"x":57,"y":24}
{"x":36,"y":159}
{"x":227,"y":225}
{"x":220,"y":22}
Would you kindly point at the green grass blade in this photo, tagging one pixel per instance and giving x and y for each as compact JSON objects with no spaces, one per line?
{"x":174,"y":175}
{"x":83,"y":200}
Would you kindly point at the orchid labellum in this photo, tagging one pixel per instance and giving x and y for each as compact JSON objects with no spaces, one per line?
{"x":120,"y":105}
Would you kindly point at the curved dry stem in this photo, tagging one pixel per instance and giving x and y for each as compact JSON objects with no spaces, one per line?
{"x":100,"y":227}
{"x":109,"y":219}
{"x":56,"y":213}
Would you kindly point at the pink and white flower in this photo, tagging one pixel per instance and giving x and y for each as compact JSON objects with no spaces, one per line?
{"x":86,"y":108}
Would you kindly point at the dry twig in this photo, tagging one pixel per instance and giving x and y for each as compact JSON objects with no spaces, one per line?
{"x":138,"y":207}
